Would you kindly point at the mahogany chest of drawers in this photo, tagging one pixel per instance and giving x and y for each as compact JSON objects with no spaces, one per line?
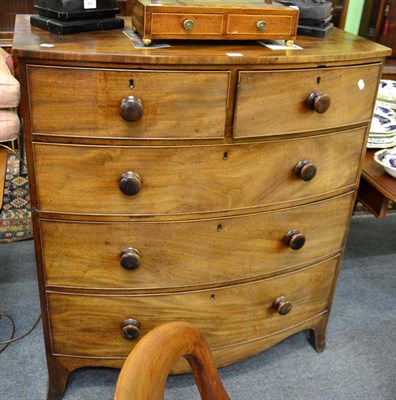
{"x":212,"y":184}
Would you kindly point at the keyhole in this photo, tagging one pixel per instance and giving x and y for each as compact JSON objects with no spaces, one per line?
{"x":131,"y":84}
{"x":212,"y":297}
{"x":318,"y":80}
{"x":225,"y":156}
{"x":219,"y":228}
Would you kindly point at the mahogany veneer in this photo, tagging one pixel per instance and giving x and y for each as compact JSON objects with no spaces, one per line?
{"x":189,"y":184}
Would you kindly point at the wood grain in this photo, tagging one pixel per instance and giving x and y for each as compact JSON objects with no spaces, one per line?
{"x":339,"y":48}
{"x":176,"y":255}
{"x":233,"y":20}
{"x":193,"y":179}
{"x":175,"y":104}
{"x":351,"y":90}
{"x":209,"y":197}
{"x":251,"y":305}
{"x":144,"y":374}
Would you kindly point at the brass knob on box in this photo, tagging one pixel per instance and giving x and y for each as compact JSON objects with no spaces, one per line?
{"x":188,"y":24}
{"x":261,"y":25}
{"x":131,"y":108}
{"x":130,"y":258}
{"x":319,"y":102}
{"x":130,"y":329}
{"x":294,"y":239}
{"x":282,"y":305}
{"x":130,"y":183}
{"x":305,"y":170}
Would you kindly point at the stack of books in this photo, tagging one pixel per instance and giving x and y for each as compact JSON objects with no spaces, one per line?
{"x":315,"y":16}
{"x":73,"y":16}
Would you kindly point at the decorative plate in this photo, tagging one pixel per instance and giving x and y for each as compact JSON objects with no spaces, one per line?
{"x":387,"y":158}
{"x":387,"y":90}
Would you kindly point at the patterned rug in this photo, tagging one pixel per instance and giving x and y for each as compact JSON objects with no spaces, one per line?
{"x":15,"y":221}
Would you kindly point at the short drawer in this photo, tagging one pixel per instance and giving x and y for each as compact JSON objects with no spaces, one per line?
{"x":277,"y":25}
{"x":167,"y":104}
{"x":254,"y":315}
{"x":283,"y":102}
{"x":192,"y":179}
{"x":183,"y":24}
{"x":171,"y":255}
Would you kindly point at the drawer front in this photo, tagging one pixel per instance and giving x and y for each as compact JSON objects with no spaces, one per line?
{"x":253,"y":315}
{"x":192,"y":179}
{"x":169,"y":255}
{"x":277,"y":25}
{"x":175,"y":24}
{"x":275,"y":102}
{"x":172,"y":104}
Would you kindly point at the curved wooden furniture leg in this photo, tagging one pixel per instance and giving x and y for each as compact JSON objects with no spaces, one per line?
{"x":318,"y":335}
{"x":145,"y":372}
{"x":57,"y":378}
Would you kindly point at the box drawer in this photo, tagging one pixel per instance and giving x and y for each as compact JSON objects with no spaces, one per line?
{"x":284,"y":95}
{"x":192,"y":179}
{"x":175,"y":24}
{"x":170,"y":104}
{"x":171,"y":255}
{"x":79,"y":327}
{"x":278,"y":26}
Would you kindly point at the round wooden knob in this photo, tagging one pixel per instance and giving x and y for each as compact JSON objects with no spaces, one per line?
{"x":130,"y":183}
{"x":188,"y":24}
{"x":319,"y":102}
{"x":294,"y":239}
{"x":282,"y":305}
{"x":130,"y":258}
{"x":131,"y":108}
{"x":130,"y":329}
{"x":261,"y":25}
{"x":305,"y":170}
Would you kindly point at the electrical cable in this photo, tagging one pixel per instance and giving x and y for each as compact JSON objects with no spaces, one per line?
{"x":6,"y":343}
{"x":12,"y":339}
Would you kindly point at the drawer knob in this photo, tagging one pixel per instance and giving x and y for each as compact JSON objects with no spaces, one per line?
{"x":131,"y":108}
{"x":282,"y":305}
{"x":294,"y":239}
{"x":130,"y":329}
{"x":305,"y":170}
{"x":261,"y":25}
{"x":188,"y":24}
{"x":130,"y":258}
{"x":319,"y":102}
{"x":130,"y":183}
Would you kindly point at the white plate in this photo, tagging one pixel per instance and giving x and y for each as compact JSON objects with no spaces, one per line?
{"x":387,"y":158}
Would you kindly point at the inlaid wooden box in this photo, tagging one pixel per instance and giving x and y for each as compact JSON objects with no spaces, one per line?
{"x":214,"y":20}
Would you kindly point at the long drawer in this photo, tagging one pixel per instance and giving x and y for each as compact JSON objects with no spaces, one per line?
{"x":172,"y":104}
{"x":252,"y":306}
{"x":276,"y":102}
{"x":170,"y":255}
{"x":192,"y":179}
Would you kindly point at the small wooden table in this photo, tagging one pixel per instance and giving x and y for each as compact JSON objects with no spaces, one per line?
{"x":377,"y":188}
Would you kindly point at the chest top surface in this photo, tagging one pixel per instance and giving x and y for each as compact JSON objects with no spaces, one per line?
{"x":115,"y":46}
